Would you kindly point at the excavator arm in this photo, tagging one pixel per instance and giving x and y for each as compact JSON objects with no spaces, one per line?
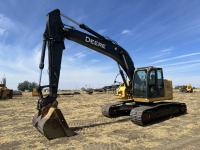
{"x":49,"y":119}
{"x":54,"y":36}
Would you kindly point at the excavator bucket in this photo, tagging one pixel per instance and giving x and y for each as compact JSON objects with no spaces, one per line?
{"x":51,"y":123}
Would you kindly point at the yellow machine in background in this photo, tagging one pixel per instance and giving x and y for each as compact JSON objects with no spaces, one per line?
{"x":186,"y":88}
{"x":5,"y":93}
{"x":34,"y":92}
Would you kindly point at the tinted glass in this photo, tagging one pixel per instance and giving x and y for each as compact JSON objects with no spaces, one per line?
{"x":140,"y":83}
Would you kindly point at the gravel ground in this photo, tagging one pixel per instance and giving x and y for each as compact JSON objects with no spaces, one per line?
{"x":94,"y":131}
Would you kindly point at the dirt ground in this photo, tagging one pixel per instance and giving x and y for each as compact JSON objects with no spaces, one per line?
{"x":95,"y":132}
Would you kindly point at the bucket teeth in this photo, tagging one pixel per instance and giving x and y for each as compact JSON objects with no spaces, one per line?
{"x":53,"y":124}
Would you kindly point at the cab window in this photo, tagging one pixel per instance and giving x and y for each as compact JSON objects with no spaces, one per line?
{"x":140,"y":83}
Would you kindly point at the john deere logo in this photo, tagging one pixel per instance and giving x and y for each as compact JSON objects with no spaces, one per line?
{"x":93,"y":42}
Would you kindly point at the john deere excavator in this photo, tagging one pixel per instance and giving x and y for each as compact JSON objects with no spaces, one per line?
{"x":141,"y":92}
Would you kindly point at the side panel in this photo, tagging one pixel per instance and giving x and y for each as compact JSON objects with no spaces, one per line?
{"x":168,"y":90}
{"x":147,"y":100}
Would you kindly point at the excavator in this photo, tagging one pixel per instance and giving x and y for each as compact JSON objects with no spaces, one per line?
{"x":141,"y":93}
{"x":186,"y":88}
{"x":5,"y":93}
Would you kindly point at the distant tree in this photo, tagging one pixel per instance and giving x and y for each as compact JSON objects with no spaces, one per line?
{"x":26,"y":86}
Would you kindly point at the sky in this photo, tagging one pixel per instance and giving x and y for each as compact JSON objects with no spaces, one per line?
{"x":154,"y":32}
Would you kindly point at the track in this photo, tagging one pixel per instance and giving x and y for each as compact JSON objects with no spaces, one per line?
{"x":112,"y":110}
{"x":144,"y":114}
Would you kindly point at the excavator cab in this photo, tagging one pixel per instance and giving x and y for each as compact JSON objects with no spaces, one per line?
{"x":148,"y":83}
{"x":148,"y":86}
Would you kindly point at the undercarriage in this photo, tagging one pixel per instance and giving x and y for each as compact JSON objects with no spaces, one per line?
{"x":144,"y":113}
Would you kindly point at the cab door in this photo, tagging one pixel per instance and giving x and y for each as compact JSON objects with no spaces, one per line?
{"x":140,"y":83}
{"x":155,"y":84}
